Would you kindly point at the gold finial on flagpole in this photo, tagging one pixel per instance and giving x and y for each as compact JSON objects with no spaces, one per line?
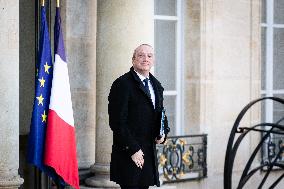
{"x":42,"y":3}
{"x":57,"y":3}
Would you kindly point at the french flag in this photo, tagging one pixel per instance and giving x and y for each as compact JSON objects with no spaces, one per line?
{"x":60,"y":142}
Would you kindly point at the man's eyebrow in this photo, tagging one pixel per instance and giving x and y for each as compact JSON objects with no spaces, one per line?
{"x":144,"y":53}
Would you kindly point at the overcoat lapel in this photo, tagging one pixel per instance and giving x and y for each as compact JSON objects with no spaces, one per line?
{"x":158,"y":91}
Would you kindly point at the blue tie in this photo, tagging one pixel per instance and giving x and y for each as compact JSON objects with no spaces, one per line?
{"x":146,"y":86}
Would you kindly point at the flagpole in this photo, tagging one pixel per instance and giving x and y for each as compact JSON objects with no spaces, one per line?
{"x":42,"y":3}
{"x":57,"y":3}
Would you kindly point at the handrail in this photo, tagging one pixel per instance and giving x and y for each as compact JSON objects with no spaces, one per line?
{"x":183,"y":158}
{"x":233,"y":145}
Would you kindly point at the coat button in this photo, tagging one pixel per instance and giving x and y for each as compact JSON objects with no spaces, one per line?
{"x":126,"y":147}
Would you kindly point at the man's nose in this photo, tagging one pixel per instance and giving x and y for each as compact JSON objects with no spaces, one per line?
{"x":145,"y":58}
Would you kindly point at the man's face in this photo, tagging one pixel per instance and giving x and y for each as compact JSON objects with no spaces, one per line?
{"x":143,"y":59}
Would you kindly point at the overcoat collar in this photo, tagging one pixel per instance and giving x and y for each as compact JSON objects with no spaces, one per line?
{"x":158,"y":89}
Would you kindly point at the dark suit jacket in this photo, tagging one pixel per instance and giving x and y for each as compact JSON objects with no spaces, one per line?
{"x":135,"y":125}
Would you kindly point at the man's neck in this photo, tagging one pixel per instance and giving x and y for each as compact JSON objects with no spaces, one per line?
{"x":145,"y":74}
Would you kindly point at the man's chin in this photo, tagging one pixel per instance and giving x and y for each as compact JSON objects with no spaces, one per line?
{"x":146,"y":69}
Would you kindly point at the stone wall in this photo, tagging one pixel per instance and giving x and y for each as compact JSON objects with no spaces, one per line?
{"x":192,"y":72}
{"x":79,"y":23}
{"x":9,"y":94}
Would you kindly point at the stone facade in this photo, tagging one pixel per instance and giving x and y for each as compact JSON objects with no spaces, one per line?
{"x":228,"y":65}
{"x":221,"y":67}
{"x":9,"y":95}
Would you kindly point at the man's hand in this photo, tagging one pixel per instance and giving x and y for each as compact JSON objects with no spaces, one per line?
{"x":161,"y":140}
{"x":138,"y":158}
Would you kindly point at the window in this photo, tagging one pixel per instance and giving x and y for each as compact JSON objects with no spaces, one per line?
{"x":168,"y":67}
{"x":272,"y":80}
{"x":272,"y":69}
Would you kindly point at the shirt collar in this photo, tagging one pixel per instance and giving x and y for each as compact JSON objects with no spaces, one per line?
{"x":142,"y":77}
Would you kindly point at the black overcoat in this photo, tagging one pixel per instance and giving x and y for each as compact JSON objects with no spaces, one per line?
{"x":135,"y":125}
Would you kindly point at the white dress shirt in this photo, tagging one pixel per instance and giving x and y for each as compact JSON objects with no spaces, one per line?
{"x":152,"y":93}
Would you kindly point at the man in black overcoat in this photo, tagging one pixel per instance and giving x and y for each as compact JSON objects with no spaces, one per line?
{"x":135,"y":105}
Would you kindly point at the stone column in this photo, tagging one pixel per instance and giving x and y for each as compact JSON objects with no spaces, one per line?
{"x":122,"y":25}
{"x":9,"y":95}
{"x":79,"y":23}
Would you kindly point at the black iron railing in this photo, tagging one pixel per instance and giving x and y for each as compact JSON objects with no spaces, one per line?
{"x":273,"y":148}
{"x":274,"y":156}
{"x":183,"y":158}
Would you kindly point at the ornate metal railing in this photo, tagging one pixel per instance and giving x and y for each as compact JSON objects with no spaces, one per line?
{"x":183,"y":158}
{"x":274,"y":159}
{"x":272,"y":149}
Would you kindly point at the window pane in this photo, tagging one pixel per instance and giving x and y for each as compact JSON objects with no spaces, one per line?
{"x":278,"y":109}
{"x":263,"y":11}
{"x":263,"y":57}
{"x":278,"y":56}
{"x":165,"y":53}
{"x":278,"y":11}
{"x":170,"y":106}
{"x":165,"y":7}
